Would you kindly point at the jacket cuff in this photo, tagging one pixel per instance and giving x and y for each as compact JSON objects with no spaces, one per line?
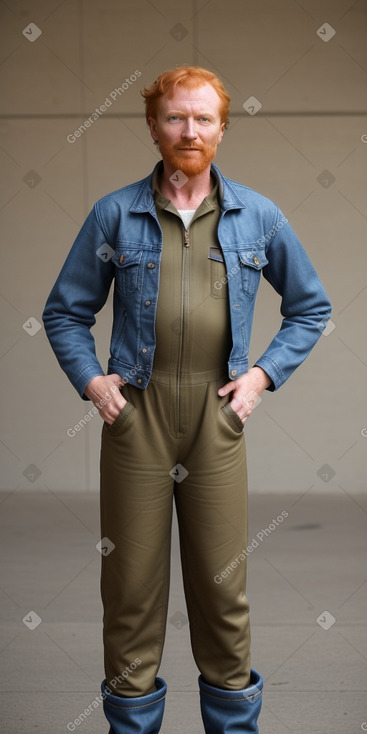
{"x":272,"y":369}
{"x":81,"y":381}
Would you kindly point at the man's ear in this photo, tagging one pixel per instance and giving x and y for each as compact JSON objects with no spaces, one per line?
{"x":153,"y":128}
{"x":222,"y":131}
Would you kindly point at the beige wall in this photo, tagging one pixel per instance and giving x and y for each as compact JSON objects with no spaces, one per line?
{"x":313,"y":96}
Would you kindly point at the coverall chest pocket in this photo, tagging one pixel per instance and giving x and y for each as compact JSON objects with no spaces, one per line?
{"x":217,"y":274}
{"x":127,"y":270}
{"x":251,"y":263}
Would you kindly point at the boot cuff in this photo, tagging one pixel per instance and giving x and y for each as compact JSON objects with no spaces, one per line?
{"x":251,"y":694}
{"x":127,"y":702}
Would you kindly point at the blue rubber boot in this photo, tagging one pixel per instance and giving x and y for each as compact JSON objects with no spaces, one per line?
{"x":141,"y":715}
{"x":231,"y":712}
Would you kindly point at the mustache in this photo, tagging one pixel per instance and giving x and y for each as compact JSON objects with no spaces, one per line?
{"x":189,"y":147}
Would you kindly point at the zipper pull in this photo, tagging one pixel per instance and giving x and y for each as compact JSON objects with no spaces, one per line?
{"x":186,"y":239}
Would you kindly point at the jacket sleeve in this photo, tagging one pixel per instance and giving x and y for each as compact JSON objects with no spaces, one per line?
{"x":305,"y":306}
{"x":79,"y":293}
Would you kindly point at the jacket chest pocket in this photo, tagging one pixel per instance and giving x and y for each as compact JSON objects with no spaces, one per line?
{"x":127,"y":271}
{"x":251,"y":264}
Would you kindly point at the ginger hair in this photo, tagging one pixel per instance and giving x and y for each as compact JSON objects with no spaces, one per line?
{"x":188,"y":76}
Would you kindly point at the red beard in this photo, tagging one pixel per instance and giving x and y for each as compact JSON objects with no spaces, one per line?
{"x":190,"y":164}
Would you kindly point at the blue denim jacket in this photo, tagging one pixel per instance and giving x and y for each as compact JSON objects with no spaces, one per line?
{"x":122,"y":239}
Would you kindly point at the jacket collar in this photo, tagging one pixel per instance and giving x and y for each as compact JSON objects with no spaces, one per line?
{"x":144,"y":201}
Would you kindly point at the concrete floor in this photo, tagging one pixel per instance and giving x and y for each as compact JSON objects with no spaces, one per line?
{"x":313,"y":563}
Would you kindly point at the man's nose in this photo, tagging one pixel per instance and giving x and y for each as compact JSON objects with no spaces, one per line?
{"x":189,"y":131}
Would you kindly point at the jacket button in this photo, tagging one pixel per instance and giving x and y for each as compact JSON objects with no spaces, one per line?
{"x":151,"y":265}
{"x":139,"y":379}
{"x":147,"y":303}
{"x":234,"y":373}
{"x":143,"y":351}
{"x":256,"y":260}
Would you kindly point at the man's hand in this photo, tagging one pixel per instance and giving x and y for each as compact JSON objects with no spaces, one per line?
{"x":246,"y":391}
{"x":103,"y":391}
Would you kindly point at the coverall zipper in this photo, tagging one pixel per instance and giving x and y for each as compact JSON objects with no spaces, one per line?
{"x":184,"y":303}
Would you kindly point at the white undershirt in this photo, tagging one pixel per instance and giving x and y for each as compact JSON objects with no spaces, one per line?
{"x":186,"y":216}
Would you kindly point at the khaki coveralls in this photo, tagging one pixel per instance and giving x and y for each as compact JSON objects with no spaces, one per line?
{"x":178,"y":439}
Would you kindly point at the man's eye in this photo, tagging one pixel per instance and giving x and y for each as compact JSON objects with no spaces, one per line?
{"x":173,"y":117}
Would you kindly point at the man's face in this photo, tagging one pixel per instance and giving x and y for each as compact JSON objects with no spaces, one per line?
{"x":188,"y":128}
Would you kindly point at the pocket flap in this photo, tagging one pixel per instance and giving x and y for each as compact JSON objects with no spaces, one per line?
{"x":253,"y":258}
{"x":127,"y":258}
{"x":215,"y":254}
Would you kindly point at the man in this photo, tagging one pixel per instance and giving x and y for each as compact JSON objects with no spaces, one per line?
{"x":186,"y":247}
